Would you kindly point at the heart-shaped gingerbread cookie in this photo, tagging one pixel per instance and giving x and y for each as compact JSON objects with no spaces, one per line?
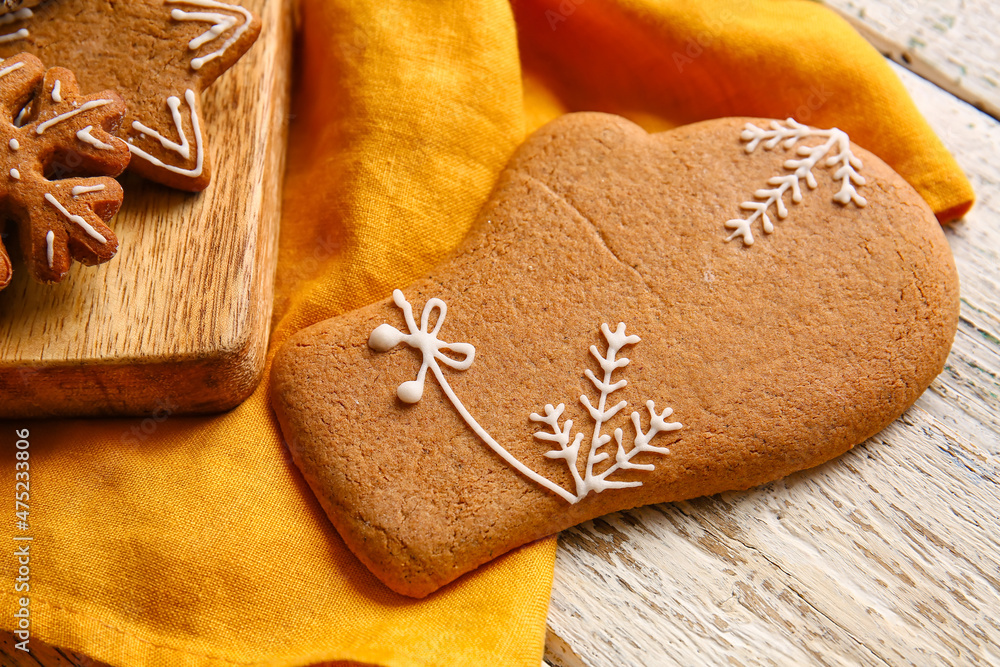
{"x":634,"y":319}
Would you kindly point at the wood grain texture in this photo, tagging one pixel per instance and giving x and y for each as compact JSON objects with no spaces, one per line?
{"x":40,"y":655}
{"x":886,"y":555}
{"x":951,"y":43}
{"x":43,"y":655}
{"x":179,"y":320}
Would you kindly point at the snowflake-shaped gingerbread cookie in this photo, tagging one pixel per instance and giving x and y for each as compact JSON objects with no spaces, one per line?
{"x":59,"y":156}
{"x":159,"y":54}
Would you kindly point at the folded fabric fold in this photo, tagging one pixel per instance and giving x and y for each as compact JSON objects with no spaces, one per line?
{"x":669,"y":63}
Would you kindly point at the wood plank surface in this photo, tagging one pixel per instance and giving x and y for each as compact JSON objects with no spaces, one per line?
{"x":40,"y":655}
{"x":179,"y":320}
{"x":951,"y":43}
{"x":885,"y":556}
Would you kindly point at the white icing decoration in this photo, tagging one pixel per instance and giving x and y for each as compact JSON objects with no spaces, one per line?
{"x":601,"y":414}
{"x":10,"y":68}
{"x":183,"y":148}
{"x":846,"y":172}
{"x":19,"y":121}
{"x":93,"y":233}
{"x":57,"y":91}
{"x":14,"y":144}
{"x":222,"y":23}
{"x":386,"y":337}
{"x":49,"y":250}
{"x":86,"y":106}
{"x":15,"y":174}
{"x":19,"y":15}
{"x":14,"y":36}
{"x":84,"y":189}
{"x":86,"y":137}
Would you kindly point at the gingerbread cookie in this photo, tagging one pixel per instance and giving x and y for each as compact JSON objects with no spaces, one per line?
{"x":59,"y":153}
{"x":14,"y":6}
{"x":633,"y":319}
{"x":159,"y":54}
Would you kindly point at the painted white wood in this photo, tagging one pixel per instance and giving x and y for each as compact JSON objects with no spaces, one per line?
{"x":952,"y":43}
{"x":887,"y":555}
{"x":966,"y":395}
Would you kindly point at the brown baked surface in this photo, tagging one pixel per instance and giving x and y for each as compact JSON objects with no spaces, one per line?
{"x":57,"y":163}
{"x":775,"y":357}
{"x":137,"y":48}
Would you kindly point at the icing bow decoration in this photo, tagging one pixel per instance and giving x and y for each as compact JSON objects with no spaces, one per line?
{"x":425,"y":340}
{"x":385,"y":337}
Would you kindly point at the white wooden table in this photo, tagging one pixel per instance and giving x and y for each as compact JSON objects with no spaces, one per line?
{"x":885,"y":556}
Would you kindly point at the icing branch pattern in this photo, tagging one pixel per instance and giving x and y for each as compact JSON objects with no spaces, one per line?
{"x":601,"y":414}
{"x":221,"y":24}
{"x":836,"y":141}
{"x":425,"y":340}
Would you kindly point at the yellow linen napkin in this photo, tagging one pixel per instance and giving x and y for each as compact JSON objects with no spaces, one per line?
{"x":666,"y":63}
{"x":198,"y":543}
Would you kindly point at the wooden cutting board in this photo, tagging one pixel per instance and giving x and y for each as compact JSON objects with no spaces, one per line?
{"x":177,"y":322}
